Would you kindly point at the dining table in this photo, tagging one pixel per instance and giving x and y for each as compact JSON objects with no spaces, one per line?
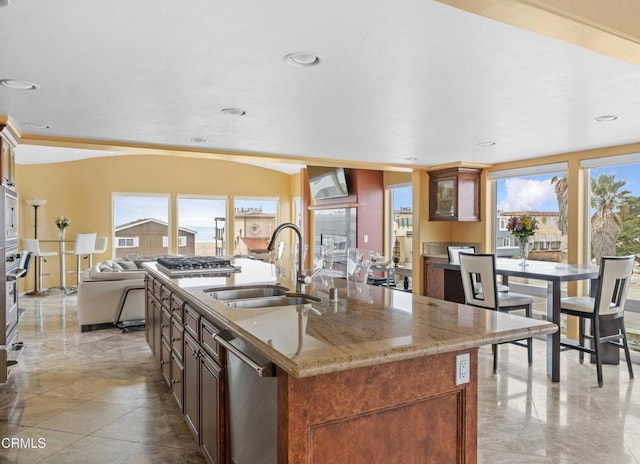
{"x":553,"y":273}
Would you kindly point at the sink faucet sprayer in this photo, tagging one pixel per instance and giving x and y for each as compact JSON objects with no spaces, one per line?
{"x":300,"y":277}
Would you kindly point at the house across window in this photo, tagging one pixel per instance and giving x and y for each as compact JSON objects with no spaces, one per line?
{"x":127,"y":242}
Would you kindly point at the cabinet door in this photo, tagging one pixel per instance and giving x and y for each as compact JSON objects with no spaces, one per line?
{"x":149,"y":318}
{"x":454,"y":194}
{"x":192,"y":385}
{"x":433,"y":278}
{"x":165,"y":362}
{"x":157,"y":328}
{"x":7,"y":163}
{"x":177,"y":381}
{"x":212,"y":433}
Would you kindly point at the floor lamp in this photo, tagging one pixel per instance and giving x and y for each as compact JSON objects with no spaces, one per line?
{"x":36,"y":203}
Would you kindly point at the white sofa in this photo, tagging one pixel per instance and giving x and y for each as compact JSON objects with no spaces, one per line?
{"x":107,"y":295}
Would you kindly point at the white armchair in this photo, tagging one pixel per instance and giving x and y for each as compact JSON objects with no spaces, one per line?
{"x":114,"y":298}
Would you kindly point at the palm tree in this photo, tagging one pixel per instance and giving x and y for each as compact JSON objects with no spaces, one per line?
{"x":606,"y":224}
{"x":561,"y":186}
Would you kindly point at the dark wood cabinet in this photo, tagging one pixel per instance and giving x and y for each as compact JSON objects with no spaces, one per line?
{"x":177,"y":381}
{"x":165,"y":362}
{"x":433,"y":278}
{"x":192,"y":385}
{"x":192,"y":365}
{"x":7,"y":158}
{"x":454,"y":194}
{"x":212,"y":430}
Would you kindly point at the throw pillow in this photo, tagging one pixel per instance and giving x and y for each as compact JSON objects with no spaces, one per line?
{"x":128,"y":265}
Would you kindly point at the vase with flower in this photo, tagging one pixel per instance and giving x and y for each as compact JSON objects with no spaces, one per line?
{"x":62,"y":222}
{"x":523,"y":228}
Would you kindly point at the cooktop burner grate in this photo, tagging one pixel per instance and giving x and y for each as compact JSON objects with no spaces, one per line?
{"x":196,"y":265}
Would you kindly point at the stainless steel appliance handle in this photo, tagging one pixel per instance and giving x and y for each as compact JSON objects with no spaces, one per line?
{"x":263,"y":370}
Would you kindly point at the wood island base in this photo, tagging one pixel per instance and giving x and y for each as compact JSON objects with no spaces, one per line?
{"x":407,"y":412}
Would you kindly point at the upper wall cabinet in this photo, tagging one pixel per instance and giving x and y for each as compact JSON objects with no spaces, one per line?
{"x":454,"y":194}
{"x":7,"y":158}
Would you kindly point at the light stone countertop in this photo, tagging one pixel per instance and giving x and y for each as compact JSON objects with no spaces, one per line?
{"x":368,"y":325}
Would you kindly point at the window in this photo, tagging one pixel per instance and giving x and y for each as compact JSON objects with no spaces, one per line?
{"x":142,"y":221}
{"x":401,"y":227}
{"x":202,"y":226}
{"x":127,"y":242}
{"x":613,"y":222}
{"x":255,"y":219}
{"x":532,"y":192}
{"x":182,"y":241}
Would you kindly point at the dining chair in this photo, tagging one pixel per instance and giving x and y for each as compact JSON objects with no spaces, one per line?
{"x":85,"y":245}
{"x":100,"y":247}
{"x":453,"y":252}
{"x":607,"y":305}
{"x":32,"y":245}
{"x":478,"y":273}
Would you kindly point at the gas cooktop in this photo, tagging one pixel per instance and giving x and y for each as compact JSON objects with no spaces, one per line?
{"x":196,"y":265}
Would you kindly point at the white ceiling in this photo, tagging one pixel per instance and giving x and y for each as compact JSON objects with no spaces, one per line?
{"x":400,"y":79}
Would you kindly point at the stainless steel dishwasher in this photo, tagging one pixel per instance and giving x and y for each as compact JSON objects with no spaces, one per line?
{"x":252,"y":392}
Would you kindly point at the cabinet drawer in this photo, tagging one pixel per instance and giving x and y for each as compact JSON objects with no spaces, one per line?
{"x":207,"y":331}
{"x":177,"y":338}
{"x":156,"y":288}
{"x":192,"y":321}
{"x":165,"y":297}
{"x":177,"y":308}
{"x":177,"y":381}
{"x":165,"y":325}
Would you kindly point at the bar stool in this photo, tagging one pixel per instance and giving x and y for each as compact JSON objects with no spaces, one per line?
{"x":85,"y":245}
{"x":33,"y":245}
{"x":100,"y":247}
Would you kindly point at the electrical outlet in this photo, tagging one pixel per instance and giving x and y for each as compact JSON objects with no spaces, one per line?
{"x":462,"y":368}
{"x":365,"y":239}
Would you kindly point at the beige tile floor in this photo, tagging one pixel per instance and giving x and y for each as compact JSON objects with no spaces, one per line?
{"x":98,"y":397}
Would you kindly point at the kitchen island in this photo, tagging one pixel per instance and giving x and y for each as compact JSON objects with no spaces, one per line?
{"x":369,"y":376}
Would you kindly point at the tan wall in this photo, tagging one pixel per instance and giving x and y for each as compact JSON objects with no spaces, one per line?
{"x":82,"y":190}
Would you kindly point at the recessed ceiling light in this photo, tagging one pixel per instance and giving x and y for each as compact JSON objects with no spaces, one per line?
{"x":606,"y":118}
{"x":37,"y":125}
{"x":197,"y":140}
{"x":303,"y":59}
{"x":488,"y":143}
{"x":234,"y":111}
{"x":4,"y":3}
{"x":18,"y":85}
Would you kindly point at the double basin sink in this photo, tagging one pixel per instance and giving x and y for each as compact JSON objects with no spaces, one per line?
{"x":259,"y":296}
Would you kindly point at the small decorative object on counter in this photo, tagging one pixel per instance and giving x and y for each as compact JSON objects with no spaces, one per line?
{"x":62,"y":222}
{"x":396,"y":252}
{"x":523,"y":228}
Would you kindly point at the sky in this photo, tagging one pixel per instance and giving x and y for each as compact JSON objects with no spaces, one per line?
{"x":401,"y":197}
{"x":193,"y":213}
{"x":536,"y":193}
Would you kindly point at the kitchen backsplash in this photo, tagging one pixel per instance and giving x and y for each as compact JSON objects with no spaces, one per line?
{"x":440,"y":248}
